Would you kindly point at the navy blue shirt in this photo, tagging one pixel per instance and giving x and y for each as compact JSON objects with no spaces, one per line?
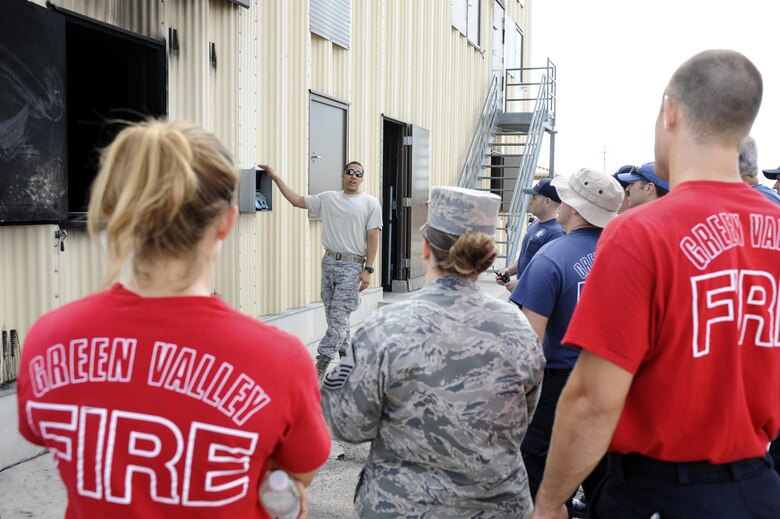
{"x":537,"y":235}
{"x":551,"y":287}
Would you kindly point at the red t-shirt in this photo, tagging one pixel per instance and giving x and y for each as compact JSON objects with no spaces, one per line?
{"x":684,"y":294}
{"x":167,"y":407}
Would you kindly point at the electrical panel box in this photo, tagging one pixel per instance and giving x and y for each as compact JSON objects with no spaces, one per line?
{"x":255,"y":191}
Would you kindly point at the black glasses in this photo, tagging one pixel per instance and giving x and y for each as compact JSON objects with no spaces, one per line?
{"x":354,"y":172}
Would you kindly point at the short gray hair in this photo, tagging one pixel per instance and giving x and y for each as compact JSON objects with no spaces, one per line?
{"x":748,"y":158}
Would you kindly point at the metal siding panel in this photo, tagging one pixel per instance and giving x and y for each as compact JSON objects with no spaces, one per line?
{"x":330,"y":68}
{"x":187,"y":71}
{"x":476,"y":27}
{"x":331,"y":20}
{"x":143,"y":17}
{"x":222,"y":113}
{"x":83,"y":266}
{"x":459,"y":15}
{"x":246,"y":227}
{"x":284,"y":235}
{"x":366,"y":79}
{"x":29,"y":256}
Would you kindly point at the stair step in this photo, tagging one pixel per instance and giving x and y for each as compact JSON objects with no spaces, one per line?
{"x":495,"y":178}
{"x":506,"y":144}
{"x":496,"y":166}
{"x":504,"y":155}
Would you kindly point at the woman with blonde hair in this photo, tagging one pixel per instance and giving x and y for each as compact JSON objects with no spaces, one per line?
{"x":443,"y":384}
{"x":155,"y":398}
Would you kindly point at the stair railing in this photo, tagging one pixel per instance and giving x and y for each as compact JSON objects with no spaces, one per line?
{"x":472,"y":164}
{"x":525,"y":175}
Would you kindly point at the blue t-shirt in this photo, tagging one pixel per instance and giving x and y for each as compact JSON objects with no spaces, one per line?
{"x":551,"y":286}
{"x":774,"y":197}
{"x":537,"y":235}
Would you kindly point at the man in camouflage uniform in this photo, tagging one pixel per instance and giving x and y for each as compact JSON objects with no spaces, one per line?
{"x":351,"y":222}
{"x":444,"y":385}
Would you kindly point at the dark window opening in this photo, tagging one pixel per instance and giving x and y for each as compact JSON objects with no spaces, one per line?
{"x":111,"y":76}
{"x":64,"y":81}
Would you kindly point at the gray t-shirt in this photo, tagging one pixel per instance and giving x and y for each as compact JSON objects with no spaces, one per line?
{"x":345,"y":218}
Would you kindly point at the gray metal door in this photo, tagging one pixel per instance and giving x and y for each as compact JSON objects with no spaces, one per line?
{"x":420,"y":168}
{"x":327,"y":143}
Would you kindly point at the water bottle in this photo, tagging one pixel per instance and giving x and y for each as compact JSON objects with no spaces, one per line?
{"x":279,"y":495}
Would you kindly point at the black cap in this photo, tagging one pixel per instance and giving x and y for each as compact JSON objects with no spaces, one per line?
{"x":544,"y":188}
{"x":772,"y":174}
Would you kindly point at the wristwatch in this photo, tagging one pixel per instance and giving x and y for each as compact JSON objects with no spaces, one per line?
{"x":370,"y":270}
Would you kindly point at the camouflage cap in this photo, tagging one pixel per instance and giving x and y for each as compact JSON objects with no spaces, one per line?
{"x":456,"y":210}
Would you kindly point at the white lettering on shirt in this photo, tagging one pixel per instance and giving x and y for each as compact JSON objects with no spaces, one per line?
{"x":233,"y":393}
{"x":746,"y":299}
{"x":720,"y":232}
{"x":583,"y":265}
{"x":82,"y":361}
{"x":764,"y":232}
{"x":144,"y":454}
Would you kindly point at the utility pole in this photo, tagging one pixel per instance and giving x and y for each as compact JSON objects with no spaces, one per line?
{"x":604,"y":158}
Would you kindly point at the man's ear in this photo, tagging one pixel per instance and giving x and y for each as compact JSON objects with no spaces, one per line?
{"x":670,"y":112}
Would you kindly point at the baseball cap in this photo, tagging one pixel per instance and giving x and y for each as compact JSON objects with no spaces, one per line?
{"x":595,"y":195}
{"x":625,"y":169}
{"x":457,"y":210}
{"x":772,"y":174}
{"x":545,"y":188}
{"x":644,"y":172}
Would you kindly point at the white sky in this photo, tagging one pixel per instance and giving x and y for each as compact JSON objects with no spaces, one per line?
{"x":614,"y":58}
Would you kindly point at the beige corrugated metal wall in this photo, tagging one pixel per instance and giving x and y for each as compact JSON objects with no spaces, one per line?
{"x":405,"y":61}
{"x":245,"y":236}
{"x":284,"y":255}
{"x":29,"y":275}
{"x":140,"y":17}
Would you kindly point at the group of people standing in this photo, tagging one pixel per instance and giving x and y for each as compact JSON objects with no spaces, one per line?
{"x":640,"y":357}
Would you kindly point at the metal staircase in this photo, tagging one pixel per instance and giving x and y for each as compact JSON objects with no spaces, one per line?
{"x":504,"y":153}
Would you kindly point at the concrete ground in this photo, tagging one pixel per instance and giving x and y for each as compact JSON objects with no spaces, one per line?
{"x":32,"y":488}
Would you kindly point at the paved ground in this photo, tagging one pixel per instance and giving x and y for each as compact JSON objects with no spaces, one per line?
{"x":32,"y":489}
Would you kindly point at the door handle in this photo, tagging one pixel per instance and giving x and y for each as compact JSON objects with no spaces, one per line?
{"x":314,"y":157}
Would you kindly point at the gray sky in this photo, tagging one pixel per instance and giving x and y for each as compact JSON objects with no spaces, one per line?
{"x":614,"y":58}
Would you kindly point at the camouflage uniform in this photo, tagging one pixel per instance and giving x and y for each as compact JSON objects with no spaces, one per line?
{"x":341,"y":297}
{"x":445,"y":385}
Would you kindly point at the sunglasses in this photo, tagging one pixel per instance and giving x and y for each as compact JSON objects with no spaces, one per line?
{"x":353,"y":172}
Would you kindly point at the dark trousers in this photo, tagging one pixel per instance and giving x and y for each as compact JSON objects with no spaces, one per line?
{"x":639,"y":487}
{"x":537,"y":439}
{"x":774,"y":453}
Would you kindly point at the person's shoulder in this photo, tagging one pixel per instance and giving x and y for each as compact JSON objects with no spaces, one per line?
{"x":554,"y":230}
{"x":554,"y":247}
{"x":328,"y":195}
{"x":83,"y":305}
{"x":505,"y":319}
{"x":73,"y":313}
{"x":769,"y":193}
{"x":397,"y":320}
{"x":371,"y":199}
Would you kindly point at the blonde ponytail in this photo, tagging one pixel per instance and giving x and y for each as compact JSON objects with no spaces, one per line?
{"x":160,"y":185}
